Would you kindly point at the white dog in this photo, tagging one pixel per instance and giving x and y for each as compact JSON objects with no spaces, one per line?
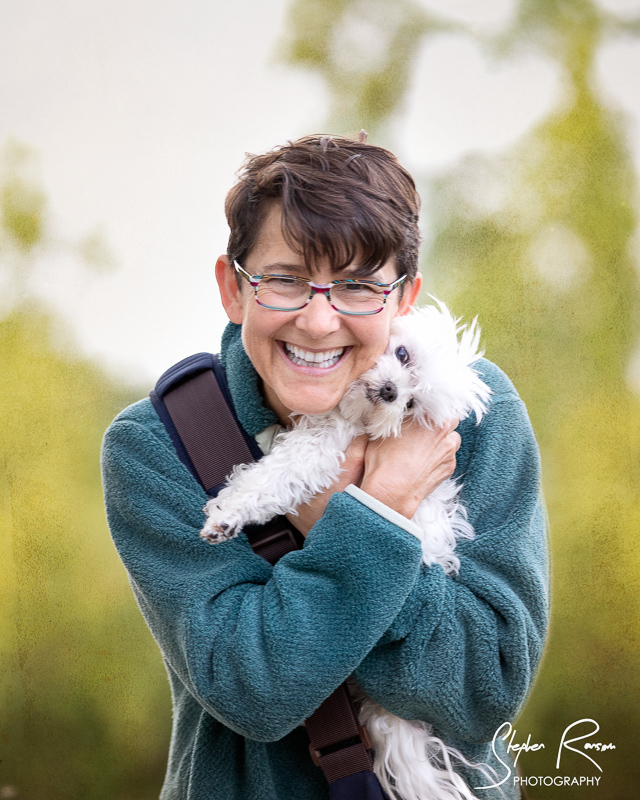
{"x":425,"y":374}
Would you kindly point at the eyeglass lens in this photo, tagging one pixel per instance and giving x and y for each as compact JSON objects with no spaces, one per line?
{"x":286,"y":293}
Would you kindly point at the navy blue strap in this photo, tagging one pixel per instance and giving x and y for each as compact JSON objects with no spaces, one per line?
{"x":360,"y":786}
{"x":203,"y":368}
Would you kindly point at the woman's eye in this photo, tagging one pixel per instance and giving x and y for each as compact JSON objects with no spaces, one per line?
{"x":402,"y":355}
{"x":282,"y":280}
{"x":357,"y":288}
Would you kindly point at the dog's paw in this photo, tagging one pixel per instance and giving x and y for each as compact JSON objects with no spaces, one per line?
{"x":219,"y":526}
{"x":214,"y":534}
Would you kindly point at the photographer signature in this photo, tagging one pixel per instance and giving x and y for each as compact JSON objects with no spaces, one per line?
{"x":507,"y":731}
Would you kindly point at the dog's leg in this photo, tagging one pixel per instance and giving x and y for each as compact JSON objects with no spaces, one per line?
{"x":443,"y":522}
{"x":304,"y":461}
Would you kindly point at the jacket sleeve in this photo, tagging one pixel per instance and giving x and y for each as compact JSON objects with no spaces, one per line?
{"x":259,"y":647}
{"x":463,"y":651}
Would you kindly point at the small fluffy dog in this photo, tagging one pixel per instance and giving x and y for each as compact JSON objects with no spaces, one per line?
{"x":425,"y":374}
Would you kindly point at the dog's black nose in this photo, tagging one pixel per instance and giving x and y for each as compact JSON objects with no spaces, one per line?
{"x":388,"y":392}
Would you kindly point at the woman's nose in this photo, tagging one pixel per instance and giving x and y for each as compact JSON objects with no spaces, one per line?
{"x":318,"y":318}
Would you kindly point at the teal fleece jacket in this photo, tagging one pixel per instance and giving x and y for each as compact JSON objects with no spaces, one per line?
{"x":251,"y":650}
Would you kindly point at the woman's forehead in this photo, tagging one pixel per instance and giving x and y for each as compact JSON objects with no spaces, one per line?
{"x":279,"y":246}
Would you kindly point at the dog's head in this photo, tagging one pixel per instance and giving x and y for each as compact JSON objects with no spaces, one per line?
{"x":380,"y":399}
{"x":425,"y":373}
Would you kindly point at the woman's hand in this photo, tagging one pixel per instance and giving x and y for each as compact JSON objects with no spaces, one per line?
{"x":401,"y":471}
{"x":398,"y":471}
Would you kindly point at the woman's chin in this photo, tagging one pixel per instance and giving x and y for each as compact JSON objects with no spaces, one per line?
{"x":312,"y":405}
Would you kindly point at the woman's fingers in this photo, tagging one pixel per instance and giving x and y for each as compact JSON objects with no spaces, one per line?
{"x":402,"y":471}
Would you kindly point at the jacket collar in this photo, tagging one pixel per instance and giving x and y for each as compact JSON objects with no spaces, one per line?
{"x":244,"y":383}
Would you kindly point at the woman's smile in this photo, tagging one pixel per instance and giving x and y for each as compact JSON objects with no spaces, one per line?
{"x":312,"y":359}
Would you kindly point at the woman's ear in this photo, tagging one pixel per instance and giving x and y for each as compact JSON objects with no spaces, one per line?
{"x":230,"y":292}
{"x":410,"y":294}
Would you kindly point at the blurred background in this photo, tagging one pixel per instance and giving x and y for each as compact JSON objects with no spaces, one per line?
{"x":122,"y":126}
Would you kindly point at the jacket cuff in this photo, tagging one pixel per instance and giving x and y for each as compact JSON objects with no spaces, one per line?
{"x":384,"y":511}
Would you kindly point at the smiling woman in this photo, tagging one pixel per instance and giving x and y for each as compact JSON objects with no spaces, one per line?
{"x":321,"y":259}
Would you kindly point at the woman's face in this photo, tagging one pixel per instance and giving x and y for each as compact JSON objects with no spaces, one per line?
{"x":273,"y":338}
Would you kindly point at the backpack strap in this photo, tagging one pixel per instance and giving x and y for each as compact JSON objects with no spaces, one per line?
{"x":193,"y":401}
{"x":340,"y":746}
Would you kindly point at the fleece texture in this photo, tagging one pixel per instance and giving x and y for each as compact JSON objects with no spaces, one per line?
{"x":251,"y":650}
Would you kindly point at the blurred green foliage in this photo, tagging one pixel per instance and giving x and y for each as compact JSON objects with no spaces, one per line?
{"x":84,"y":706}
{"x":364,"y":51}
{"x":537,"y":243}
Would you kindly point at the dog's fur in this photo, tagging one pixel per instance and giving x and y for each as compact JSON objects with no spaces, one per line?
{"x":425,"y":374}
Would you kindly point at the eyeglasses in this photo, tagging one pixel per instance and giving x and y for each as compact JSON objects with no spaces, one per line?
{"x":290,"y":293}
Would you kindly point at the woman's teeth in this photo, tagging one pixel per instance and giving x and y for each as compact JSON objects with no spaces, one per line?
{"x":305,"y":358}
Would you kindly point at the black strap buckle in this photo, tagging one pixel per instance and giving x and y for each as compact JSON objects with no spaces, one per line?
{"x":277,"y":541}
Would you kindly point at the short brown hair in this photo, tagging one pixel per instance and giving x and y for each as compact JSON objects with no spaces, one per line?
{"x":341,"y":199}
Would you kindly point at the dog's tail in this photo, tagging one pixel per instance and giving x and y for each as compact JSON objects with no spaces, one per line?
{"x":410,"y":762}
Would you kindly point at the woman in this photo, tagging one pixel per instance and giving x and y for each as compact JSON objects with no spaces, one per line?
{"x":252,"y":650}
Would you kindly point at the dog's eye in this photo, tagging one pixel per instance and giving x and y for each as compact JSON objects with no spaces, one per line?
{"x":402,"y":355}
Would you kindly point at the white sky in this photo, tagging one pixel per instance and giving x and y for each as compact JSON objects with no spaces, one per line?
{"x":141,"y":111}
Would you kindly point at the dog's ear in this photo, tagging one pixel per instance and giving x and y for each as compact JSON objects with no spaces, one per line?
{"x":400,"y":324}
